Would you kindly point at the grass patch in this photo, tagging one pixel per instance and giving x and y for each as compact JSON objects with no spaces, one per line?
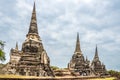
{"x":18,"y":76}
{"x":31,"y":77}
{"x":111,"y":78}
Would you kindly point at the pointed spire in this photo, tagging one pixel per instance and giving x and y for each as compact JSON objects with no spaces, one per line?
{"x":96,"y":53}
{"x":16,"y":46}
{"x":77,"y":49}
{"x":86,"y":58}
{"x":34,"y":11}
{"x":33,"y":24}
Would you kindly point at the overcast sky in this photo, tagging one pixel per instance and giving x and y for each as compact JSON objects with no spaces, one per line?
{"x":97,"y":21}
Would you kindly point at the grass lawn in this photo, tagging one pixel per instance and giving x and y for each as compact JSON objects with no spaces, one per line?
{"x":30,"y":77}
{"x":111,"y":78}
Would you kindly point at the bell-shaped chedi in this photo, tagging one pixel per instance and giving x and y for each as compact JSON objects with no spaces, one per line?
{"x":78,"y":64}
{"x":97,"y":67}
{"x":33,"y":59}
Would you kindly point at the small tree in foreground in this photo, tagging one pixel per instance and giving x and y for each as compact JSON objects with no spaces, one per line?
{"x":2,"y":53}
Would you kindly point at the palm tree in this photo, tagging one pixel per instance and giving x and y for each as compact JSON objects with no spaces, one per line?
{"x":2,"y":53}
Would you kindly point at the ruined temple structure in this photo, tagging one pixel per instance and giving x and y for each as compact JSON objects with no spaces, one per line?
{"x":96,"y":65}
{"x":82,"y":67}
{"x":32,"y":59}
{"x":78,"y":64}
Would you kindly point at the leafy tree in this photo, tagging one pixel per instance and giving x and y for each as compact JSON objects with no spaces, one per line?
{"x":114,"y":73}
{"x":54,"y":67}
{"x":2,"y":53}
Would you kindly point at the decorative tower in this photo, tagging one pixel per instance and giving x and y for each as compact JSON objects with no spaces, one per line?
{"x":97,"y":67}
{"x":15,"y":56}
{"x":34,"y":60}
{"x":33,"y":41}
{"x":78,"y":63}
